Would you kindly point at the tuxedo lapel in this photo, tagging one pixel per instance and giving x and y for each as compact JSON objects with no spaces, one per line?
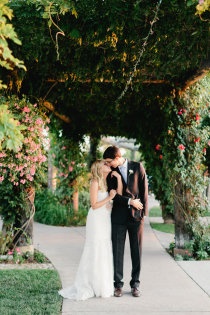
{"x":133,"y":178}
{"x":130,"y":173}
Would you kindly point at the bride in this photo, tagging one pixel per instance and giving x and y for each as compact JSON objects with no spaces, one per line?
{"x":94,"y":276}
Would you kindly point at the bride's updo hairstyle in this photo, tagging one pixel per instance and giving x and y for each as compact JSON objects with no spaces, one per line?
{"x":96,"y":174}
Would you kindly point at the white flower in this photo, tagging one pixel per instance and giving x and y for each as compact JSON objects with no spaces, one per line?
{"x":130,"y":172}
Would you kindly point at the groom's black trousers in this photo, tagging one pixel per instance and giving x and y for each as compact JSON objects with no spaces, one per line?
{"x":135,"y":232}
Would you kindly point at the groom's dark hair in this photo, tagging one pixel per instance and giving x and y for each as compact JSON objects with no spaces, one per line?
{"x":112,"y":152}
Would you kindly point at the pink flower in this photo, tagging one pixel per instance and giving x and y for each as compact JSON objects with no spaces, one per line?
{"x":201,"y":1}
{"x":197,"y":117}
{"x":42,"y":158}
{"x":29,"y":177}
{"x":39,"y":121}
{"x":32,"y":170}
{"x":160,"y":156}
{"x":197,"y":140}
{"x":181,"y":147}
{"x":26,"y":109}
{"x":158,"y":147}
{"x":70,"y":168}
{"x":23,"y":181}
{"x":181,"y":111}
{"x":204,"y":150}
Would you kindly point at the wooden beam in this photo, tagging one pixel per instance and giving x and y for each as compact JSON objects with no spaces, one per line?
{"x":50,"y":107}
{"x":154,"y":81}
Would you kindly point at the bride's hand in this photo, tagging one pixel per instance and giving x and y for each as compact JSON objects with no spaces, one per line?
{"x":112,"y":193}
{"x":116,"y":174}
{"x":109,"y":205}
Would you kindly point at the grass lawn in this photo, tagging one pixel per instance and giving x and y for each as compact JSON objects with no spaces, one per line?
{"x":163,"y":227}
{"x":155,"y":212}
{"x":30,"y":292}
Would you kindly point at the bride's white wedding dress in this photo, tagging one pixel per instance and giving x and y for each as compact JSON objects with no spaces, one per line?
{"x":95,"y":272}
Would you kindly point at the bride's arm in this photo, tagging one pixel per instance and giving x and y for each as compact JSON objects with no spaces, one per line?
{"x":94,"y":195}
{"x":119,"y":182}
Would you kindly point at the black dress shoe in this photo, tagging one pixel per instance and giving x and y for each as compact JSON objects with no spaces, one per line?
{"x":118,"y":292}
{"x":135,"y":292}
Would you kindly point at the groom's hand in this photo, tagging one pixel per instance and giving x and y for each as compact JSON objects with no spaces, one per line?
{"x":136,"y":203}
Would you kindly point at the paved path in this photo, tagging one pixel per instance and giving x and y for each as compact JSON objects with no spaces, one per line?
{"x":167,"y":288}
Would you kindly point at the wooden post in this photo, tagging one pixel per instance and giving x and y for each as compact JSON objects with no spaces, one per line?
{"x":76,"y":201}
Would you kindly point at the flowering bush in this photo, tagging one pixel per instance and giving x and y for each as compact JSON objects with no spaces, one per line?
{"x":182,"y":148}
{"x":23,"y":143}
{"x":192,"y":139}
{"x":184,"y":156}
{"x":19,"y":164}
{"x":15,"y":256}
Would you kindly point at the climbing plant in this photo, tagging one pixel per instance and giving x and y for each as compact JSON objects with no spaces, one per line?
{"x":184,"y":150}
{"x":21,"y":164}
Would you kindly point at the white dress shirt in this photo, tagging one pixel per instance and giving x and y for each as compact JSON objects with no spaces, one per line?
{"x":124,"y":170}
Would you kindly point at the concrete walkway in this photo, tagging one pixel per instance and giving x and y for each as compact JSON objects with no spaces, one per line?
{"x":168,"y":287}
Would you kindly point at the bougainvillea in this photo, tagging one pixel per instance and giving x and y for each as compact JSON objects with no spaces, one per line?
{"x":22,"y":159}
{"x":20,"y":164}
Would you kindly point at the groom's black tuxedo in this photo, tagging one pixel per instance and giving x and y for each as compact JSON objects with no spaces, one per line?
{"x":122,"y":221}
{"x":136,"y":185}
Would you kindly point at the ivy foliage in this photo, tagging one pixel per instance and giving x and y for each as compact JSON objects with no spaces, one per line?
{"x":11,"y":136}
{"x":98,"y":43}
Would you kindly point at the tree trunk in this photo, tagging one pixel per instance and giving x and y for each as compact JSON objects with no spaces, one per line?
{"x":167,"y":217}
{"x":23,"y":237}
{"x":182,"y":216}
{"x":51,"y":174}
{"x":75,"y":201}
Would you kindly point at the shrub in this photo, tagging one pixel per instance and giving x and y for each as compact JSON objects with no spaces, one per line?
{"x":51,"y":210}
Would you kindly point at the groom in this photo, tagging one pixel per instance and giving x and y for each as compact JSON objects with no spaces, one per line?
{"x":134,"y":180}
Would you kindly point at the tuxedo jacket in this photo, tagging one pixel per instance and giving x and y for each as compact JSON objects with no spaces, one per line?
{"x":136,"y":187}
